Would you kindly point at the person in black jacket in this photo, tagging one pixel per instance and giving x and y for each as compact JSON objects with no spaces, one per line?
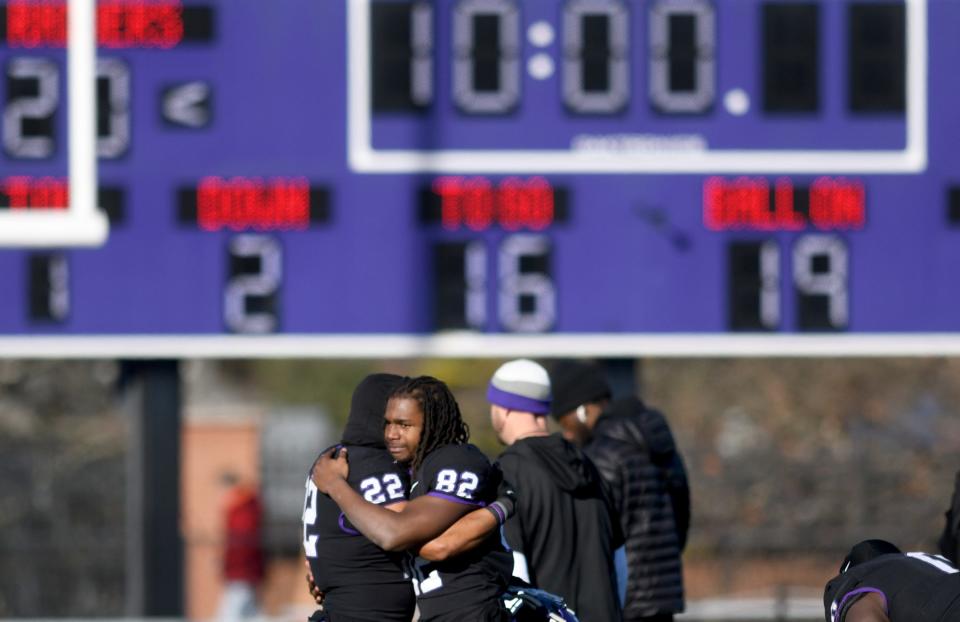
{"x":879,"y":583}
{"x":634,"y":450}
{"x":564,"y":532}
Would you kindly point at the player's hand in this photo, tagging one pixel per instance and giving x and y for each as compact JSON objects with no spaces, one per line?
{"x":314,"y":590}
{"x":506,"y":502}
{"x":330,"y":467}
{"x":507,"y":496}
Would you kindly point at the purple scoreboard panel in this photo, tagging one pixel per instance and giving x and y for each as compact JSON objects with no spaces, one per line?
{"x":331,"y":167}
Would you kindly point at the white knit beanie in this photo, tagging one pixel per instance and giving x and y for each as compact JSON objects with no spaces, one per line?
{"x":522,"y":385}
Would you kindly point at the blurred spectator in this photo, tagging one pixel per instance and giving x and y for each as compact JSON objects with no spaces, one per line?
{"x":243,"y":566}
{"x":879,"y":583}
{"x":633,"y":448}
{"x":565,"y":531}
{"x":950,"y":537}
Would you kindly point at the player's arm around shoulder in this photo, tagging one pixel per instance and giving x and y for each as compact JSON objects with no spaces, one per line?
{"x":417,"y":522}
{"x":464,"y":535}
{"x":473,"y":529}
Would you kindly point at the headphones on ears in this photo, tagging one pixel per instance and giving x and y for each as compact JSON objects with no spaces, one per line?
{"x":581,"y":413}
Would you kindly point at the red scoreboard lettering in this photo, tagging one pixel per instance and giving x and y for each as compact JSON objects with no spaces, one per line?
{"x":120,"y":23}
{"x":745,"y":203}
{"x":478,"y":204}
{"x":241,"y":203}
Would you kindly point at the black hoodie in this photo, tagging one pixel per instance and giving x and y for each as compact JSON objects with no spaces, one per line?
{"x":564,"y":525}
{"x":367,"y":405}
{"x":346,"y":566}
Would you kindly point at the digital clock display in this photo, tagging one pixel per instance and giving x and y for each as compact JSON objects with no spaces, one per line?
{"x":553,"y":167}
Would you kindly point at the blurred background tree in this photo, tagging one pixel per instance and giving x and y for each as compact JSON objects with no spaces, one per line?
{"x":790,"y":460}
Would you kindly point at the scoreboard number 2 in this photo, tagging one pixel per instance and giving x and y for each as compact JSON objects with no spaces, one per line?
{"x":254,"y":275}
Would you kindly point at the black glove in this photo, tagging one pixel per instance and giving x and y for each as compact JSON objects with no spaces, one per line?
{"x":505,"y":505}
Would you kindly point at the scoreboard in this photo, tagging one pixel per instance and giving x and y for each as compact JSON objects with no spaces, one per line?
{"x":543,"y":170}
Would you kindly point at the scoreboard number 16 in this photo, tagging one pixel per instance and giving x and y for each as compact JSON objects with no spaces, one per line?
{"x":523,"y":285}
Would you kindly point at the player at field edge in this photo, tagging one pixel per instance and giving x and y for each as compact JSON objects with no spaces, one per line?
{"x":344,"y":566}
{"x":450,"y":478}
{"x":879,"y":583}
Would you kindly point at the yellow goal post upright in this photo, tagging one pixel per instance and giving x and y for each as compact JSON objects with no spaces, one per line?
{"x":81,"y":222}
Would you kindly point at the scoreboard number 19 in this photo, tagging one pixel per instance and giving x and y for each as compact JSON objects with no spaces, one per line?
{"x":819,"y":279}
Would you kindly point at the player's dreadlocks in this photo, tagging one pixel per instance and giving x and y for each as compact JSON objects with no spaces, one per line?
{"x":442,"y":422}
